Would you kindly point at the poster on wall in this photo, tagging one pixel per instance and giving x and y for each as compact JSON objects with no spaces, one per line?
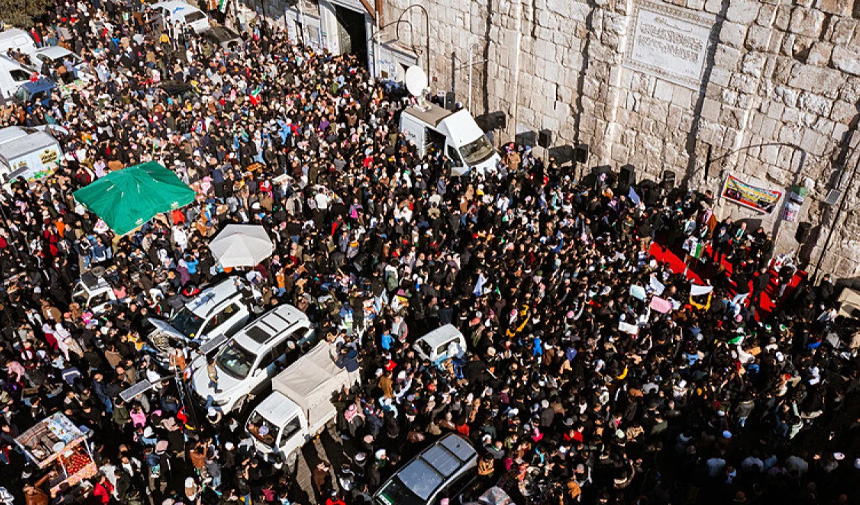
{"x":760,"y":199}
{"x":795,"y":201}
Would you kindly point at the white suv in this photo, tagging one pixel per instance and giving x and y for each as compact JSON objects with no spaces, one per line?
{"x":207,"y":321}
{"x":246,"y":365}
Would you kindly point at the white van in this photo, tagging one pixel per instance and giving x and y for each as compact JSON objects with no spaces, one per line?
{"x":207,"y":321}
{"x":13,"y":75}
{"x":27,"y":154}
{"x":457,"y":133}
{"x":247,"y":363}
{"x":179,"y":14}
{"x":300,"y":404}
{"x":434,"y":345}
{"x":16,"y":39}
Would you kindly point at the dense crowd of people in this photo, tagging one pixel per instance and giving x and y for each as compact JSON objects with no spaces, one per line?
{"x":594,"y":372}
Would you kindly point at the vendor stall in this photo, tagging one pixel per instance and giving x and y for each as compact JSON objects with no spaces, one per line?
{"x":56,"y":443}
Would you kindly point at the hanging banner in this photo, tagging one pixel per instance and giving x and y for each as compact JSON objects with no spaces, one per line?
{"x":760,"y":199}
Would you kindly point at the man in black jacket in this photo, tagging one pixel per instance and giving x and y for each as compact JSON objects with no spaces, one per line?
{"x":760,"y":284}
{"x":825,"y":291}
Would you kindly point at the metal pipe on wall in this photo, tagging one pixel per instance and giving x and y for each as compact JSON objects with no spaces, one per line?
{"x":518,"y":26}
{"x":426,"y":30}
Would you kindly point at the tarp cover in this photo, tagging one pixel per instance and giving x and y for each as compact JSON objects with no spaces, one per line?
{"x":50,"y":436}
{"x":310,"y":382}
{"x":127,"y":198}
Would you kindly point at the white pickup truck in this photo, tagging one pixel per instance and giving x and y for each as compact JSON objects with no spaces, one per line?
{"x":300,"y":404}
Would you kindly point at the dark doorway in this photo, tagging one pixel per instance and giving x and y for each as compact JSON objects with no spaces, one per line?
{"x":352,"y":33}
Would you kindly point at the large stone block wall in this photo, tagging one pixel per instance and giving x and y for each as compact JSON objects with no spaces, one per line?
{"x":781,"y":78}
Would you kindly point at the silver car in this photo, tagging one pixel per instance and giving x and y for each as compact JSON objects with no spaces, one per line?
{"x":442,"y":470}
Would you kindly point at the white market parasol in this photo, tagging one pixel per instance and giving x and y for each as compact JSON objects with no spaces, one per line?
{"x":241,"y":245}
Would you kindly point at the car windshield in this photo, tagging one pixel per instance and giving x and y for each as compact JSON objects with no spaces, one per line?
{"x":425,"y":347}
{"x":194,"y":16}
{"x":235,"y":360}
{"x":262,"y":430}
{"x":186,"y":322}
{"x":22,"y":94}
{"x":396,"y":493}
{"x":478,"y":151}
{"x":81,"y":298}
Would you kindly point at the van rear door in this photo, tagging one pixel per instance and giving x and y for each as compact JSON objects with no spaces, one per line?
{"x":413,"y":130}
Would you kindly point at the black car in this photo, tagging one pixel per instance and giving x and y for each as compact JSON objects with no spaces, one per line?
{"x":223,"y":37}
{"x":179,"y":90}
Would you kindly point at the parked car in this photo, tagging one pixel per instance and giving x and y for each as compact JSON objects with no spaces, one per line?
{"x":93,"y":292}
{"x":444,"y":469}
{"x":454,"y":133}
{"x":178,"y":90}
{"x":16,"y":39}
{"x":247,"y":363}
{"x":180,"y":15}
{"x":56,"y":55}
{"x":14,"y":77}
{"x":27,"y":154}
{"x":434,"y":345}
{"x":207,"y":321}
{"x":223,"y":37}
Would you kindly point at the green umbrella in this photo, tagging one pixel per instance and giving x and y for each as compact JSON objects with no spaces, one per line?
{"x":127,"y":198}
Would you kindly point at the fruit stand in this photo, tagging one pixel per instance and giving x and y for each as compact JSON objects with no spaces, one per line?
{"x":56,"y":443}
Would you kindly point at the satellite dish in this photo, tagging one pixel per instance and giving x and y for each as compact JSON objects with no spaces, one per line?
{"x":416,"y":81}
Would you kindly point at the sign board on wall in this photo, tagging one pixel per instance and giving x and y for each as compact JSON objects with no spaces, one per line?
{"x":669,"y":42}
{"x":761,"y":199}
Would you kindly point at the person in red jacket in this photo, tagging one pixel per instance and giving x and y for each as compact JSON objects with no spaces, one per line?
{"x":103,"y":490}
{"x":334,"y":499}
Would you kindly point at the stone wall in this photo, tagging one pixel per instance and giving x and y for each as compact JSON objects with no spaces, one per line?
{"x":777,"y":87}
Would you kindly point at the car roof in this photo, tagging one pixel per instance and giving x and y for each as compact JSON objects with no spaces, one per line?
{"x":432,"y":114}
{"x":11,"y":133}
{"x":441,"y":335}
{"x":221,"y":33}
{"x":92,"y":281}
{"x":173,"y":5}
{"x":174,"y":87}
{"x":12,"y":33}
{"x":278,"y":321}
{"x":213,"y":296}
{"x":436,"y":464}
{"x":52,"y":51}
{"x":39,"y":85}
{"x":277,"y":406}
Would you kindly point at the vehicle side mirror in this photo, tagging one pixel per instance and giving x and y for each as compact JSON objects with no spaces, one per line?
{"x":257,"y":373}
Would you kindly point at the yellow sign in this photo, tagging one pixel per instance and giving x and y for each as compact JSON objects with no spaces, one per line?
{"x":49,"y":156}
